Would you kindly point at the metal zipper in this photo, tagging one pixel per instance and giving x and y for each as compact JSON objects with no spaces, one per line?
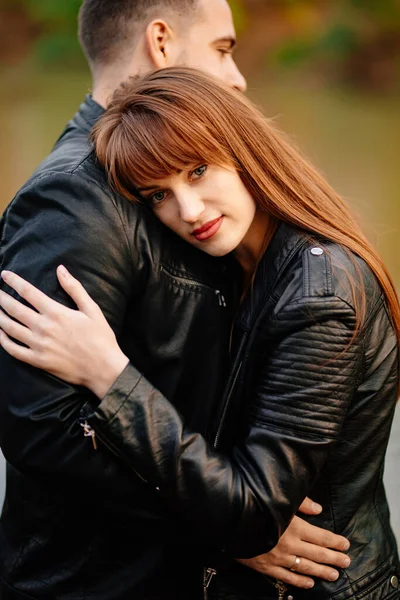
{"x":281,"y":587}
{"x":242,"y":344}
{"x":208,"y":575}
{"x":194,"y":283}
{"x":226,"y":406}
{"x":88,"y":431}
{"x":221,"y":298}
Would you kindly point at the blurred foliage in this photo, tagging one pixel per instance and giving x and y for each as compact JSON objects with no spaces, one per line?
{"x":342,"y":26}
{"x":239,"y":14}
{"x":354,"y":40}
{"x":52,"y":31}
{"x":357,"y":40}
{"x":57,"y":19}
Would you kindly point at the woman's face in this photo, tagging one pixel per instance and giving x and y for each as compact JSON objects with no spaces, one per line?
{"x":208,"y":206}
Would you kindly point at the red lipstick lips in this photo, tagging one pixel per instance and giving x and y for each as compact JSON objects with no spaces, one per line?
{"x":208,"y":230}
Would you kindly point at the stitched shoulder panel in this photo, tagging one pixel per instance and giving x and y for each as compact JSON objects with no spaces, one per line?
{"x":351,"y":276}
{"x":323,"y":270}
{"x":330,"y":270}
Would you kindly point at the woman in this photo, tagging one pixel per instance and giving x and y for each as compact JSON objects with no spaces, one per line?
{"x":314,"y":382}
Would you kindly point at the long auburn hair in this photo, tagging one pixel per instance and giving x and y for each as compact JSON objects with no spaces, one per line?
{"x":176,"y":117}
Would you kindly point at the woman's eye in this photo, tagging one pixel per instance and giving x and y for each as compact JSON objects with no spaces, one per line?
{"x":157,"y":197}
{"x":199,"y":171}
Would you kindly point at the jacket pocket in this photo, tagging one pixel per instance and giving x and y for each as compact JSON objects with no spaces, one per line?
{"x":384,"y":588}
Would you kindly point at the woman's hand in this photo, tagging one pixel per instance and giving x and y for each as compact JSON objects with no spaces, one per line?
{"x":303,"y":551}
{"x":77,"y":346}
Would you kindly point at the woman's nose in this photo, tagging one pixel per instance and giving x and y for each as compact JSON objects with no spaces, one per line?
{"x":191,"y":207}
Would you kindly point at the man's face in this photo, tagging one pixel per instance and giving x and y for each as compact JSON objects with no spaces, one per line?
{"x":209,"y":43}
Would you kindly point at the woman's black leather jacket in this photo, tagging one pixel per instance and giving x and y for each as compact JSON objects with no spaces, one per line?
{"x":307,"y":411}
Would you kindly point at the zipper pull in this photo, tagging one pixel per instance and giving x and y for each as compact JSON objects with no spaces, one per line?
{"x":89,"y":432}
{"x":221,"y":298}
{"x":208,"y":575}
{"x":281,"y":590}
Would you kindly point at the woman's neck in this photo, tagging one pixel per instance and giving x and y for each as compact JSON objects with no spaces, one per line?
{"x":254,"y":244}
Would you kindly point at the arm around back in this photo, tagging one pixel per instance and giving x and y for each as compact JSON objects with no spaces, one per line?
{"x":305,"y":378}
{"x":61,"y":218}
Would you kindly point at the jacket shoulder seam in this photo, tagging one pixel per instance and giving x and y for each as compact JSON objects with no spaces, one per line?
{"x":107,"y":191}
{"x":316,"y":300}
{"x":65,"y":175}
{"x":84,"y":159}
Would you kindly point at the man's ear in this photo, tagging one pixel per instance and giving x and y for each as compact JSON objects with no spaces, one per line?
{"x":160,"y":44}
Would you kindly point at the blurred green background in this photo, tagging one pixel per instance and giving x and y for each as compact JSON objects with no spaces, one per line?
{"x":329,"y":70}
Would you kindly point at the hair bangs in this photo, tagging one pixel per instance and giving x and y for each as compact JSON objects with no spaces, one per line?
{"x":149,"y":145}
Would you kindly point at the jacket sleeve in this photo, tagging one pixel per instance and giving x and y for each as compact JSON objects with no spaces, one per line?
{"x":243,"y":500}
{"x":62,"y":219}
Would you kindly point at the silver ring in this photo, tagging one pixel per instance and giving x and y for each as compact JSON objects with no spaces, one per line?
{"x":296,"y":563}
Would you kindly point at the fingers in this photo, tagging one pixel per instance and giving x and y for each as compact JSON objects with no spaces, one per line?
{"x":323,"y":537}
{"x":75,"y":289}
{"x":15,"y":330}
{"x":309,"y":507}
{"x":28,"y":292}
{"x":15,"y":309}
{"x":324,"y":556}
{"x":15,"y":350}
{"x":312,"y":569}
{"x":291,"y":578}
{"x":264,"y":564}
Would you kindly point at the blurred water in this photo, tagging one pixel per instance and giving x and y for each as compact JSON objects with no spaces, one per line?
{"x":352,"y":138}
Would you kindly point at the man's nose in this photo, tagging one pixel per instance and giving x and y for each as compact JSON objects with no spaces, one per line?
{"x":238,"y":80}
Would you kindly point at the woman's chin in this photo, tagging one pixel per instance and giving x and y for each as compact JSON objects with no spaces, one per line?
{"x":213,"y":250}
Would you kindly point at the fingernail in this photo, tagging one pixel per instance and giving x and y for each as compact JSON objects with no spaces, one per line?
{"x":346,"y":562}
{"x":316,"y":507}
{"x":309,"y":584}
{"x":333,"y":576}
{"x":5,"y":275}
{"x":63,"y":271}
{"x":346,"y":545}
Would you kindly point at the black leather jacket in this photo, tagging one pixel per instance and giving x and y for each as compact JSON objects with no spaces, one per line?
{"x":307,"y":411}
{"x":76,"y":523}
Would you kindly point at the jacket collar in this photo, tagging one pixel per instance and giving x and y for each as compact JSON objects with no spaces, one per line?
{"x":285,"y":243}
{"x":89,"y":112}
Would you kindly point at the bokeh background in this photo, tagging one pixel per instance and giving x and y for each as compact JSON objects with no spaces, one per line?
{"x":328,"y":70}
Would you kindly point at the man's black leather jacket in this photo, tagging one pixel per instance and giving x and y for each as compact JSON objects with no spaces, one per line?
{"x":307,"y":411}
{"x":76,"y":523}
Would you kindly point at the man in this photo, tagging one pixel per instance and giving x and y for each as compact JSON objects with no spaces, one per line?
{"x":77,"y":523}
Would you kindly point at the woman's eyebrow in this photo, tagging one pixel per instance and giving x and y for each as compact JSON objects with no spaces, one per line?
{"x":154,"y":186}
{"x":147,"y":189}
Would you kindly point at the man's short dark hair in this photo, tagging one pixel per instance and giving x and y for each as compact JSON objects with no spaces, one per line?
{"x":107,"y":27}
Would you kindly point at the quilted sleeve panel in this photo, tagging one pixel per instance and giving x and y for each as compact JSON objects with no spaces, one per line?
{"x":309,"y":370}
